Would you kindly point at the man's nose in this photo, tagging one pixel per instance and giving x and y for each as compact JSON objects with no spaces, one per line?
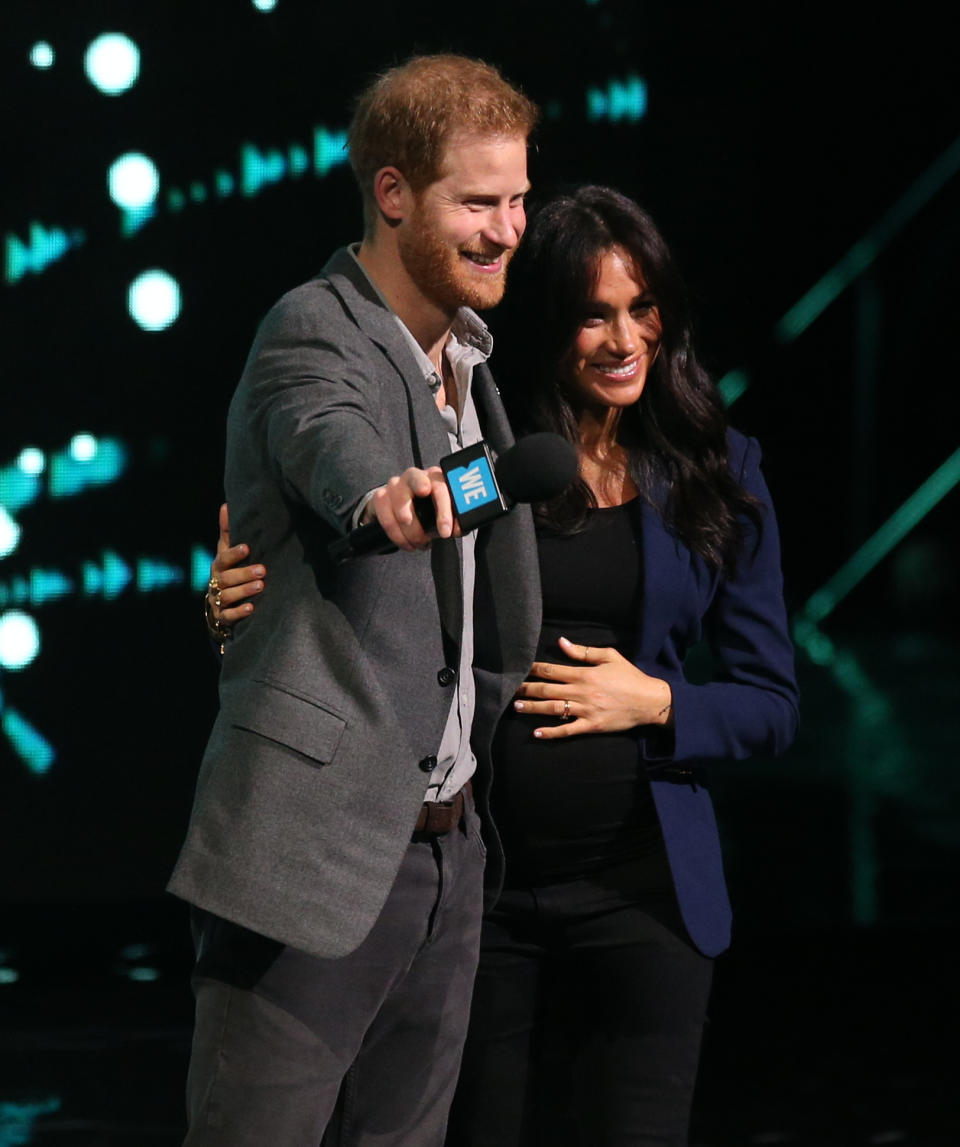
{"x":505,"y":226}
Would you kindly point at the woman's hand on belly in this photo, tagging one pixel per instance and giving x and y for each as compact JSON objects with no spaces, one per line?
{"x":606,"y":694}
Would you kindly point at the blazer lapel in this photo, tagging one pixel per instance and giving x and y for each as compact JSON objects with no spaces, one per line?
{"x":427,"y":431}
{"x":380,"y":325}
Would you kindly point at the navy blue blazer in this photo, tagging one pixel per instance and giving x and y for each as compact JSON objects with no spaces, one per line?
{"x":748,"y":709}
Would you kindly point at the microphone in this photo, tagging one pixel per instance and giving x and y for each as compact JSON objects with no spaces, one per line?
{"x":536,"y":468}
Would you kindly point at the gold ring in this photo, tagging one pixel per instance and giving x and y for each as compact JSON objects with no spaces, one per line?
{"x":213,"y":584}
{"x":566,"y":710}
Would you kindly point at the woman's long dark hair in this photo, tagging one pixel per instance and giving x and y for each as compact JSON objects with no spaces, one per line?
{"x":675,"y":435}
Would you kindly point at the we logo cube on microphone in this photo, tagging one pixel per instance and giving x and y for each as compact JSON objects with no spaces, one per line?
{"x":473,"y":486}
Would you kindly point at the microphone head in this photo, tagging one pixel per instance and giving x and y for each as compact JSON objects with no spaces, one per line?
{"x":537,"y":468}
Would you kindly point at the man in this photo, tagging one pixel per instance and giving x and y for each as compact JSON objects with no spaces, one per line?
{"x":333,"y":857}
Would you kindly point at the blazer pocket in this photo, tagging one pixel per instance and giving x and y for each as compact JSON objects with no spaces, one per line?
{"x":290,"y":719}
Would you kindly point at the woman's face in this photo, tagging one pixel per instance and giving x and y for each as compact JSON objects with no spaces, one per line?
{"x":619,"y":338}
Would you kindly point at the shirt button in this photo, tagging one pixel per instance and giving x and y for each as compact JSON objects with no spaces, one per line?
{"x":428,"y":764}
{"x":447,"y":676}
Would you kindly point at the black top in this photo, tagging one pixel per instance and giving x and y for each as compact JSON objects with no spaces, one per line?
{"x":570,"y":807}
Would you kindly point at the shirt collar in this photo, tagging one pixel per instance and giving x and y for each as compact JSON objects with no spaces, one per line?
{"x":470,"y":341}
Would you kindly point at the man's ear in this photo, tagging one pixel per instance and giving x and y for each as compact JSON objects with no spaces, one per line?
{"x":392,"y":195}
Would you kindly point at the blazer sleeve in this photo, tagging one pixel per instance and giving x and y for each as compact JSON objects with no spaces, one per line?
{"x":750,"y":706}
{"x":311,"y":385}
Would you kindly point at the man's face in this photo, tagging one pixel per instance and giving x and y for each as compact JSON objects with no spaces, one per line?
{"x":457,"y":242}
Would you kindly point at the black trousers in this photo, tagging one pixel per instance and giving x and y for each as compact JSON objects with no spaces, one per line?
{"x":281,"y":1035}
{"x":587,"y":1018}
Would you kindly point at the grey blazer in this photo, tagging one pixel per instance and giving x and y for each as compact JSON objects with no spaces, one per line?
{"x":330,"y":701}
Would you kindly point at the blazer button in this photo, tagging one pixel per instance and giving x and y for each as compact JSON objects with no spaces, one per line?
{"x":428,"y":764}
{"x":447,"y":676}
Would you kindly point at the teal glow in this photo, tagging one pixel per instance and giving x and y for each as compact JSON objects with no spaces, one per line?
{"x":112,"y":63}
{"x":48,"y":585}
{"x":143,"y":975}
{"x":32,"y":461}
{"x":133,"y":181}
{"x":17,"y":489}
{"x":198,"y":193}
{"x":264,"y":5}
{"x":83,"y":448}
{"x":9,"y":533}
{"x":621,"y":101}
{"x":200,"y":562}
{"x":875,"y":548}
{"x":299,"y":160}
{"x":19,"y":640}
{"x":153,"y":574}
{"x":732,"y":385}
{"x":862,"y":254}
{"x":8,"y":976}
{"x":45,"y":246}
{"x":224,"y":183}
{"x":257,"y":169}
{"x":154,"y":300}
{"x":31,"y":747}
{"x":17,"y":1120}
{"x":69,"y":475}
{"x":109,"y":579}
{"x":329,"y":149}
{"x":42,"y":55}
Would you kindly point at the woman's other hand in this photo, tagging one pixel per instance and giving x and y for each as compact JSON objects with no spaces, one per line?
{"x":230,"y":583}
{"x":606,"y":694}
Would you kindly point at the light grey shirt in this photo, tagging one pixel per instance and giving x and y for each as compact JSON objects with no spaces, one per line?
{"x":469,"y":343}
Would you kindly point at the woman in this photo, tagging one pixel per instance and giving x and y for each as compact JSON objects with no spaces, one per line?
{"x":596,"y":960}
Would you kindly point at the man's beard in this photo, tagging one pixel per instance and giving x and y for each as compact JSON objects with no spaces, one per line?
{"x":439,"y":272}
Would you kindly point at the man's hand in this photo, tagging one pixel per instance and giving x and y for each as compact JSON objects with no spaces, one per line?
{"x":392,"y":505}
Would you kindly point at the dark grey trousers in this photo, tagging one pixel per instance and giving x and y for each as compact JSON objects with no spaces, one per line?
{"x":279,"y":1034}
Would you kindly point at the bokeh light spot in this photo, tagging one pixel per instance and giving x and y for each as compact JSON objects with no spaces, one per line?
{"x":112,"y":63}
{"x":42,"y":55}
{"x":83,"y":447}
{"x":32,"y":460}
{"x":133,"y":181}
{"x":19,"y":639}
{"x":154,"y":300}
{"x":9,"y":534}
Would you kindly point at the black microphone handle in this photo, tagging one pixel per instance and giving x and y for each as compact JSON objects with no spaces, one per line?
{"x":372,"y":538}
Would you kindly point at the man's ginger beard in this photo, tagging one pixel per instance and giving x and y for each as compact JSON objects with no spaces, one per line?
{"x":442,"y":274}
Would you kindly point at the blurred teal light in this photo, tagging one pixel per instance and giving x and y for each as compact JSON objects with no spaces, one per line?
{"x":154,"y":300}
{"x":42,"y":55}
{"x":32,"y":460}
{"x":9,"y":533}
{"x":112,"y":63}
{"x":133,"y":181}
{"x":19,"y":639}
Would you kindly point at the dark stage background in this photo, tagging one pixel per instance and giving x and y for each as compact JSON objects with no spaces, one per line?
{"x":803,"y":162}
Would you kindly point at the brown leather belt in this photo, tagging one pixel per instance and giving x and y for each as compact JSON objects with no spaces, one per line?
{"x":439,"y":817}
